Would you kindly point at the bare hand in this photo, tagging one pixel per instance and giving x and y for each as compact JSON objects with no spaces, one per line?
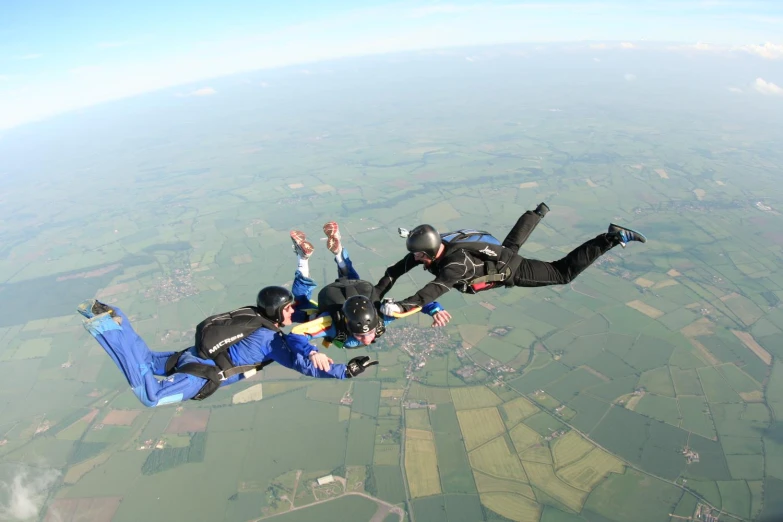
{"x":441,"y":318}
{"x":321,"y":361}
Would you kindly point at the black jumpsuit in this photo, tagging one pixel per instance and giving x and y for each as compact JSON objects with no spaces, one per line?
{"x":458,"y":268}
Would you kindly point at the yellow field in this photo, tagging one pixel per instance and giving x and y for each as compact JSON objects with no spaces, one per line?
{"x":646,"y":309}
{"x":754,"y":396}
{"x":74,"y":431}
{"x":391,"y":392}
{"x":700,"y":193}
{"x":472,"y":334}
{"x":480,"y":426}
{"x":543,"y":477}
{"x":418,"y":434}
{"x":242,"y":259}
{"x":538,"y":453}
{"x":418,"y":419}
{"x":513,"y":507}
{"x":528,"y":184}
{"x":254,"y":393}
{"x":698,"y":328}
{"x":662,"y":173}
{"x":665,"y":283}
{"x":748,"y":340}
{"x":75,"y":473}
{"x":586,"y":473}
{"x":590,"y":183}
{"x":673,"y":273}
{"x":570,"y":448}
{"x":496,"y":459}
{"x":320,"y":189}
{"x":644,"y":283}
{"x":295,"y":185}
{"x":421,"y":467}
{"x":439,"y":213}
{"x":474,"y":397}
{"x":488,"y":484}
{"x":518,"y":409}
{"x":523,"y":437}
{"x":343,"y":413}
{"x":429,"y":393}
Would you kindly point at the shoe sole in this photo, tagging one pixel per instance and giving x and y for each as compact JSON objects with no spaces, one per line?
{"x":300,"y":240}
{"x":332,"y":231}
{"x":642,"y":237}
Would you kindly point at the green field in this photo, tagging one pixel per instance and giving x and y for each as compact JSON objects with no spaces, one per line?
{"x":633,"y":496}
{"x":453,"y":462}
{"x":211,"y":186}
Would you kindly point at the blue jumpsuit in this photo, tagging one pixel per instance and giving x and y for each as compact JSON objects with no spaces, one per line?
{"x":303,"y":287}
{"x":140,"y":365}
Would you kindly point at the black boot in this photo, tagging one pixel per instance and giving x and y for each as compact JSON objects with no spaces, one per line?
{"x":541,"y":209}
{"x":622,"y":235}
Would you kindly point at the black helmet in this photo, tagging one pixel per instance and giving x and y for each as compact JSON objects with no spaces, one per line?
{"x":271,"y":300}
{"x":424,"y":238}
{"x":360,"y":314}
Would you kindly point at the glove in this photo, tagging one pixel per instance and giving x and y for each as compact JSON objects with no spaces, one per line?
{"x":403,"y":232}
{"x":357,"y":365}
{"x":390,"y":308}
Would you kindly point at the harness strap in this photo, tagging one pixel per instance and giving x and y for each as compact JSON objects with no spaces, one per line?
{"x":213,"y":374}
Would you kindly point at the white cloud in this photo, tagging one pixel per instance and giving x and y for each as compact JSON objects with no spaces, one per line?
{"x":390,"y":28}
{"x":25,"y":495}
{"x":204,"y":91}
{"x":596,"y":59}
{"x":765,"y":87}
{"x":470,"y":59}
{"x":264,"y":84}
{"x":32,"y":56}
{"x":627,"y":45}
{"x":736,"y":90}
{"x":768,"y":50}
{"x":629,"y":77}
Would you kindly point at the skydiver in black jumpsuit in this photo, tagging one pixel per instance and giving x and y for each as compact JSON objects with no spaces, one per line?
{"x":472,"y":261}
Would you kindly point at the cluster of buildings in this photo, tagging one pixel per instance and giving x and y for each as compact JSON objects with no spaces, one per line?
{"x":705,"y":513}
{"x":178,"y":285}
{"x":43,"y":427}
{"x":690,"y":455}
{"x":152,"y":443}
{"x":416,"y":405}
{"x":419,"y":343}
{"x":554,"y":435}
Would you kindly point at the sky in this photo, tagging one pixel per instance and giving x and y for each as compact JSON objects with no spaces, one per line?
{"x":60,"y":55}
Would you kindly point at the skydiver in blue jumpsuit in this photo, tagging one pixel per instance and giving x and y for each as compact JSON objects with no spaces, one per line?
{"x":320,"y":325}
{"x":140,"y":365}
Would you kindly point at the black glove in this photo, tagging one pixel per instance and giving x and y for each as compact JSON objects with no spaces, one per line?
{"x":357,"y":365}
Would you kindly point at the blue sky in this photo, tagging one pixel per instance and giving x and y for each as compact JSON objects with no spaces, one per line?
{"x":58,"y":55}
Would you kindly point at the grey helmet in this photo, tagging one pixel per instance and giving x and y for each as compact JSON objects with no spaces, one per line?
{"x":424,"y":238}
{"x":271,"y":300}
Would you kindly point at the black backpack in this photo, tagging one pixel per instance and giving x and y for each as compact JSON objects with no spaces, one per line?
{"x":214,"y":336}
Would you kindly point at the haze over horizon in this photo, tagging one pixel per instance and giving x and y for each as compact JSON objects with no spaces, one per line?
{"x":60,"y":56}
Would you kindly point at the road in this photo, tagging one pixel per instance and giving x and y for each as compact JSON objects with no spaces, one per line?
{"x":383,"y":506}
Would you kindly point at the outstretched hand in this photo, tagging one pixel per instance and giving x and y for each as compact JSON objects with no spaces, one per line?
{"x":357,"y":365}
{"x":321,"y":361}
{"x":440,"y":318}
